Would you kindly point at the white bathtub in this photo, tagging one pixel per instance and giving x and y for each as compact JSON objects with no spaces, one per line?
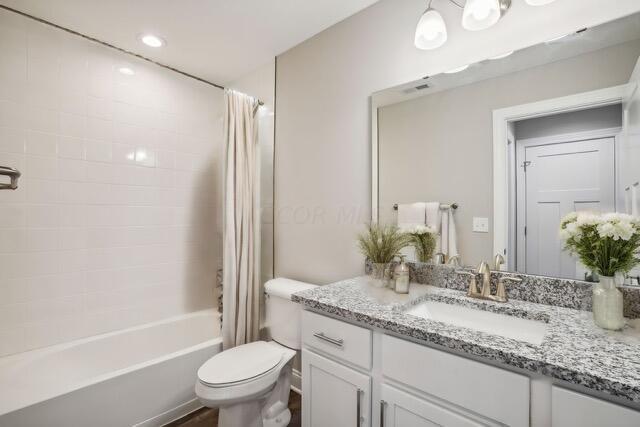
{"x":142,"y":376}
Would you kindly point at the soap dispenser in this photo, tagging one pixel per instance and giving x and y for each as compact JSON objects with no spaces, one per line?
{"x":401,"y":277}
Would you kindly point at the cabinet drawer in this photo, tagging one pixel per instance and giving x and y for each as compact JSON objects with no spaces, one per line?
{"x":340,"y":339}
{"x":569,"y":408}
{"x":493,"y":392}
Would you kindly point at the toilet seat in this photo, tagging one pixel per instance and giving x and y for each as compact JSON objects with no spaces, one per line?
{"x":214,"y":394}
{"x":240,"y":364}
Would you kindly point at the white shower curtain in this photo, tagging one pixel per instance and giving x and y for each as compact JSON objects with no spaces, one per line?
{"x":241,"y":233}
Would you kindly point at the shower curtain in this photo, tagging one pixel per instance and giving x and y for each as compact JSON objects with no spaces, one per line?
{"x":241,"y":229}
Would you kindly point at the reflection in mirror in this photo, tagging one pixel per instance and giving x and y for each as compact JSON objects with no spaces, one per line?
{"x":517,"y":141}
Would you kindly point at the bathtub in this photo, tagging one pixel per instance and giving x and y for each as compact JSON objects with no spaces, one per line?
{"x":141,"y":376}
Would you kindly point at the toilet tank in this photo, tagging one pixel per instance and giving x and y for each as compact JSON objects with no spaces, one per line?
{"x":282,"y":314}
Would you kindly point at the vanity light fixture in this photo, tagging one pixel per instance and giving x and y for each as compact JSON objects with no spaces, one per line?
{"x":431,"y":31}
{"x":504,"y":55}
{"x":457,"y":70}
{"x":539,"y":2}
{"x":152,"y":40}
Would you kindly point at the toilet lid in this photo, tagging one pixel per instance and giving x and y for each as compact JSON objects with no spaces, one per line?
{"x":240,"y":363}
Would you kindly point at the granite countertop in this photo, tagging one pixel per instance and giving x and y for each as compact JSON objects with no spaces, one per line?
{"x":573,"y":349}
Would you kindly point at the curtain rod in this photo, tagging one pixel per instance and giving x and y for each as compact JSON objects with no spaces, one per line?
{"x":70,"y":31}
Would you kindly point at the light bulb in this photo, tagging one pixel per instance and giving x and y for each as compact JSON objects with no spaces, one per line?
{"x":480,"y":14}
{"x":431,"y":31}
{"x":539,"y":2}
{"x":151,"y":40}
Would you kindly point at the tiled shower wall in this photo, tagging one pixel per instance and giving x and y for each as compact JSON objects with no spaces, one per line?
{"x":115,"y":222}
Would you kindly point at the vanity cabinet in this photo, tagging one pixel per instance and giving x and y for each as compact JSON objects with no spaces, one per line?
{"x":400,"y":409}
{"x":332,"y":394}
{"x":569,"y":408}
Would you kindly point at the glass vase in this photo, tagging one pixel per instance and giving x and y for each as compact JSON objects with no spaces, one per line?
{"x":607,"y":304}
{"x":380,"y":274}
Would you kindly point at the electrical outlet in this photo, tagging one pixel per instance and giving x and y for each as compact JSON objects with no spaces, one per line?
{"x":480,"y":224}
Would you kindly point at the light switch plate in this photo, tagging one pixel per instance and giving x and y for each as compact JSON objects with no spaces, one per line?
{"x":480,"y":224}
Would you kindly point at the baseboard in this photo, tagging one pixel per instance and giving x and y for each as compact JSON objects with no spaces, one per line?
{"x":296,"y":381}
{"x":172,"y":414}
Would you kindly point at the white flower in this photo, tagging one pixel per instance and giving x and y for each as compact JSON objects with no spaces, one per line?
{"x":616,"y":230}
{"x":588,"y":218}
{"x":570,"y":217}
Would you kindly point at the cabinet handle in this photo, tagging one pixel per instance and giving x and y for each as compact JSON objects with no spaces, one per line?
{"x":382,"y":405}
{"x":323,"y":337}
{"x":358,"y":409}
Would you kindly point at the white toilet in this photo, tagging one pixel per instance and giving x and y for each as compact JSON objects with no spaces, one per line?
{"x":250,"y":383}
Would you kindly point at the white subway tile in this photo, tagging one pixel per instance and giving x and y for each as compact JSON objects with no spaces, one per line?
{"x":70,"y":147}
{"x":100,"y":108}
{"x":42,"y":144}
{"x":12,"y":140}
{"x":73,"y":125}
{"x":41,"y":167}
{"x":42,"y":119}
{"x":96,"y":151}
{"x":72,"y":170}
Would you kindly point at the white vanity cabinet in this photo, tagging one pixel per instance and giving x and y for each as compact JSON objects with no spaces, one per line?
{"x":332,"y":394}
{"x":569,"y":409}
{"x":401,"y":409}
{"x":357,"y":376}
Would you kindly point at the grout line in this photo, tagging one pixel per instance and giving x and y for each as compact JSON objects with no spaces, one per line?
{"x":84,"y":36}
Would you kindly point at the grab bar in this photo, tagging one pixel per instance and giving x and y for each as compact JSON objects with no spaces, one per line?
{"x":13,"y":174}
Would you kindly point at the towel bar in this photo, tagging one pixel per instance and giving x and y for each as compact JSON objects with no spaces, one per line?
{"x":453,"y":206}
{"x":13,"y":174}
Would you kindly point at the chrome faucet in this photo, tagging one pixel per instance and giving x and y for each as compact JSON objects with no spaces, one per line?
{"x":485,"y":289}
{"x":498,"y":262}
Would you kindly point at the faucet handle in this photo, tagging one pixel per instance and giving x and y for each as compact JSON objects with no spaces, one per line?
{"x":473,"y":286}
{"x":501,"y":291}
{"x":498,"y":261}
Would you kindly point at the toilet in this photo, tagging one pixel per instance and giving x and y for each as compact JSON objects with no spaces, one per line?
{"x":250,"y":383}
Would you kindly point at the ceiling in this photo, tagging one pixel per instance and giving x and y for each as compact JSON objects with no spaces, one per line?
{"x":218,"y":40}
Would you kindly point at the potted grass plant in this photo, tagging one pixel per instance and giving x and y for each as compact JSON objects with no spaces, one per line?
{"x":380,"y":244}
{"x":423,"y":240}
{"x":608,"y":245}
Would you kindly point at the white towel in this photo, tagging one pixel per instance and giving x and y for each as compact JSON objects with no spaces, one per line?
{"x":452,"y":236}
{"x":434,"y":220}
{"x":411,"y":214}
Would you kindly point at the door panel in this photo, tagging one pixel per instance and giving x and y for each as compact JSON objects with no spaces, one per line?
{"x":561,"y":178}
{"x":332,"y":393}
{"x":401,"y":409}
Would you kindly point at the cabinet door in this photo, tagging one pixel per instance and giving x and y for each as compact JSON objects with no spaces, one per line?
{"x":569,"y":409}
{"x":400,"y":409}
{"x":333,"y":395}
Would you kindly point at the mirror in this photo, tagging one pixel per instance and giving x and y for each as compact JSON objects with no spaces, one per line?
{"x":515,"y":142}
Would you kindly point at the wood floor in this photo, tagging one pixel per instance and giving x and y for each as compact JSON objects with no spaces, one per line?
{"x":207,"y":417}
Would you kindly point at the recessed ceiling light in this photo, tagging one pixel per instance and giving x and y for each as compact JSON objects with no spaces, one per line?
{"x":151,"y":40}
{"x":126,"y":71}
{"x":504,"y":55}
{"x":457,"y":70}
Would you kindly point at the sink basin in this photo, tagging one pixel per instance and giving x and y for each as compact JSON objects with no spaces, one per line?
{"x":530,"y":331}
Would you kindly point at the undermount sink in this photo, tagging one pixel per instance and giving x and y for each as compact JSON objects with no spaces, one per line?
{"x":530,"y":331}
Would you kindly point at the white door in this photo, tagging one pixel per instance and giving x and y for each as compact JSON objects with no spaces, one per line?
{"x":560,"y":178}
{"x":400,"y":409}
{"x":333,"y":395}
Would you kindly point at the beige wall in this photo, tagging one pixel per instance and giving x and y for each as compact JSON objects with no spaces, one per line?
{"x":322,"y":174}
{"x":439,"y":147}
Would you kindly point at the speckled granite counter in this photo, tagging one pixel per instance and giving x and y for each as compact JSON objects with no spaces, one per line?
{"x":573,"y":350}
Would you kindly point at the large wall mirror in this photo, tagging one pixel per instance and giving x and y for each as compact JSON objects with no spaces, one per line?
{"x":496,"y":153}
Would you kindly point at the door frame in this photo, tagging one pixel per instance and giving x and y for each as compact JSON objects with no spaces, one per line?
{"x":501,"y":119}
{"x":517,"y":177}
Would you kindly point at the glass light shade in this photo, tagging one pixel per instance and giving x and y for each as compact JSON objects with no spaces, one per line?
{"x":480,"y":14}
{"x":431,"y":32}
{"x":539,"y":2}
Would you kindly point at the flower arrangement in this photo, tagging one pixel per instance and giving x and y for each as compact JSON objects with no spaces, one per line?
{"x":605,"y":243}
{"x":423,"y":239}
{"x":381,"y":243}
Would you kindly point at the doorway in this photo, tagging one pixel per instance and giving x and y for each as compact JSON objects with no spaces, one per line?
{"x":556,"y":172}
